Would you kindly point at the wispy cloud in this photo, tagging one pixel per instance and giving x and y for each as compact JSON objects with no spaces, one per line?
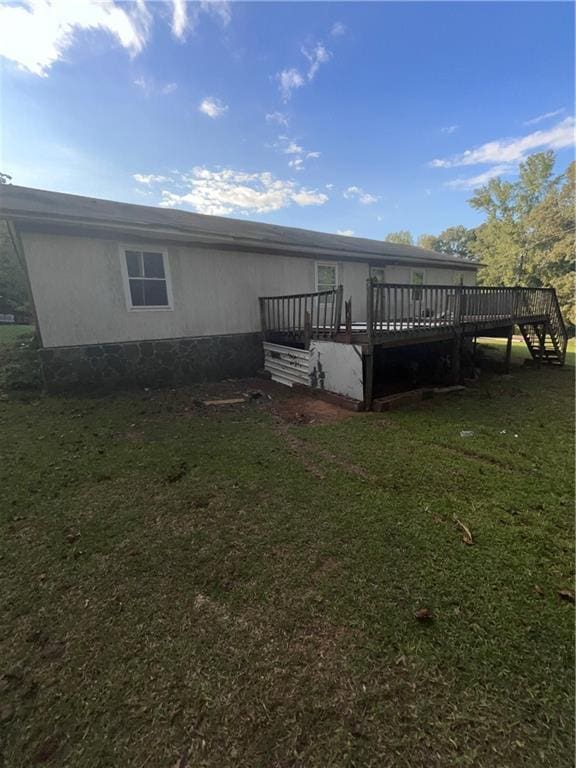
{"x":545,"y":116}
{"x":298,"y":155}
{"x":357,"y":193}
{"x":338,"y":29}
{"x":316,"y":56}
{"x":185,"y":15}
{"x":347,"y":232}
{"x":449,"y":129}
{"x":513,"y":150}
{"x":290,"y":80}
{"x":150,"y":87}
{"x":149,"y":178}
{"x":279,"y":118}
{"x":213,"y":107}
{"x":227,"y":191}
{"x":480,"y":179}
{"x":37,"y":33}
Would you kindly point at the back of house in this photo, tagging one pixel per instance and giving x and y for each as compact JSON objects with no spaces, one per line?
{"x":128,"y":294}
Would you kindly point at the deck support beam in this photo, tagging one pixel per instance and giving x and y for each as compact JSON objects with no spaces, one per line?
{"x":508,"y":356}
{"x":456,"y":354}
{"x":368,"y":378}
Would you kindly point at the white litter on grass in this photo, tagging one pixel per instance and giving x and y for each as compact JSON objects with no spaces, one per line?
{"x":466,"y":433}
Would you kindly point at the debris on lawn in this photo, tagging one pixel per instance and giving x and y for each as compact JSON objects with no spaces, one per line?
{"x":467,"y":537}
{"x":227,"y":401}
{"x":538,"y":589}
{"x":567,"y":595}
{"x":466,"y":433}
{"x":72,"y":536}
{"x":423,"y":614}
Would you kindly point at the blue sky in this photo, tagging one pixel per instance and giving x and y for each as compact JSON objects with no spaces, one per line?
{"x":354,"y":117}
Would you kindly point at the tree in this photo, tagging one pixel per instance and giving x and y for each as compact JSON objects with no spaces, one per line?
{"x":5,"y":178}
{"x":13,"y":289}
{"x":502,"y":243}
{"x":402,"y":236}
{"x":455,"y":241}
{"x":551,"y":236}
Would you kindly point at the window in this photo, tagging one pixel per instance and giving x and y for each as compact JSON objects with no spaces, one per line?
{"x":417,"y":279}
{"x":326,"y":276}
{"x":378,"y":274}
{"x":147,"y":280}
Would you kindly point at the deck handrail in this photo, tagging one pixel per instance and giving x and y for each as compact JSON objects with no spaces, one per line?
{"x":302,"y":316}
{"x":403,"y":309}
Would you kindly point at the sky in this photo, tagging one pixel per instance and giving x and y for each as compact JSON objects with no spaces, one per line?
{"x":357,"y":118}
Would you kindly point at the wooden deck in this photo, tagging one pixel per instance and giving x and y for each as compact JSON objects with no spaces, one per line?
{"x":398,"y":314}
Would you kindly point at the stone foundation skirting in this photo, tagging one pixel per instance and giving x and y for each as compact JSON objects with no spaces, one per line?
{"x":151,"y":363}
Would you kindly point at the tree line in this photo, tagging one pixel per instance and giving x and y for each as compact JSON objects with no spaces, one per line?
{"x":527,"y":236}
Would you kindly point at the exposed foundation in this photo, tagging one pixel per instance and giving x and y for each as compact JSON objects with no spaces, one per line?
{"x":151,"y":363}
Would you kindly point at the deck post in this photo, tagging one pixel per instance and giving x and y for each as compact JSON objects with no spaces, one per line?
{"x":307,"y":329}
{"x":338,"y":311}
{"x":508,"y":356}
{"x":456,"y":350}
{"x":348,"y":320}
{"x":263,"y":317}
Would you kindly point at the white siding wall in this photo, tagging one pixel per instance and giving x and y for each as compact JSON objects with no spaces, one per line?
{"x":80,"y":299}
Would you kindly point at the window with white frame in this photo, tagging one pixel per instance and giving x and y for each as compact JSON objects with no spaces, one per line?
{"x":378,"y":274}
{"x":326,"y":276}
{"x":418,"y":279}
{"x":147,"y":279}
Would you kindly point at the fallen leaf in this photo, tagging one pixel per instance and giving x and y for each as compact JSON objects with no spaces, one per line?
{"x":538,"y":590}
{"x":467,"y":537}
{"x":567,"y":595}
{"x":423,"y":614}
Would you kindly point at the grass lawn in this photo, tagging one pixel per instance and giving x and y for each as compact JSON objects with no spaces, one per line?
{"x":184,"y":586}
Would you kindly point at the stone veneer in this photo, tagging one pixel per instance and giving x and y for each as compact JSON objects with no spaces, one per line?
{"x":143,"y":363}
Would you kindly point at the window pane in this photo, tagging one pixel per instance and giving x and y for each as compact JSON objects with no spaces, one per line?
{"x":153,"y":264}
{"x":134,"y":263}
{"x":378,"y":273}
{"x":155,"y":293}
{"x":417,"y":278}
{"x":326,"y":276}
{"x":137,"y":292}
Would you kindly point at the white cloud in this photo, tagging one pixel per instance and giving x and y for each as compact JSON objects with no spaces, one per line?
{"x":338,"y":29}
{"x":229,"y":191}
{"x":37,"y":33}
{"x":449,"y":129}
{"x":545,"y":116}
{"x":299,"y":155}
{"x":361,"y":195}
{"x":149,"y":178}
{"x":185,"y":15}
{"x":513,"y":150}
{"x":347,"y":232}
{"x":150,"y":87}
{"x":316,"y":56}
{"x":212,"y":107}
{"x":279,"y":118}
{"x":290,"y":80}
{"x":482,"y":178}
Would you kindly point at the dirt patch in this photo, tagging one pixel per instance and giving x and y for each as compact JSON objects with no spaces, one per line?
{"x":302,"y":409}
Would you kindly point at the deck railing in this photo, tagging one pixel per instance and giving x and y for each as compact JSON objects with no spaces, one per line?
{"x":302,"y":316}
{"x":414,"y":309}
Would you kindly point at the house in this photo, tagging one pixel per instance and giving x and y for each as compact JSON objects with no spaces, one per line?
{"x":128,"y":294}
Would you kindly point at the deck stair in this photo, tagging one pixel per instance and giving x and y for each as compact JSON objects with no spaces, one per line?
{"x":547,"y":339}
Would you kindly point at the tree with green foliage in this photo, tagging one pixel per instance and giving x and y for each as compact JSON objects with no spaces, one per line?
{"x":13,"y":288}
{"x":502,"y":242}
{"x":403,"y":236}
{"x":455,"y":241}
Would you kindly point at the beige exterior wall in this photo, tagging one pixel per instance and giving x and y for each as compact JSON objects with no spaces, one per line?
{"x":80,"y":296}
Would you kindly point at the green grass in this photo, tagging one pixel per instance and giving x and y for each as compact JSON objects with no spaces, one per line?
{"x":194,"y":587}
{"x":9,"y":334}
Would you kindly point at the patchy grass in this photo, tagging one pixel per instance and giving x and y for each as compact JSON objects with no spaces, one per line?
{"x":183,"y":586}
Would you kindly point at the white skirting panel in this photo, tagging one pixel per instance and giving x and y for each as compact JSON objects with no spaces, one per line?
{"x":287,"y":365}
